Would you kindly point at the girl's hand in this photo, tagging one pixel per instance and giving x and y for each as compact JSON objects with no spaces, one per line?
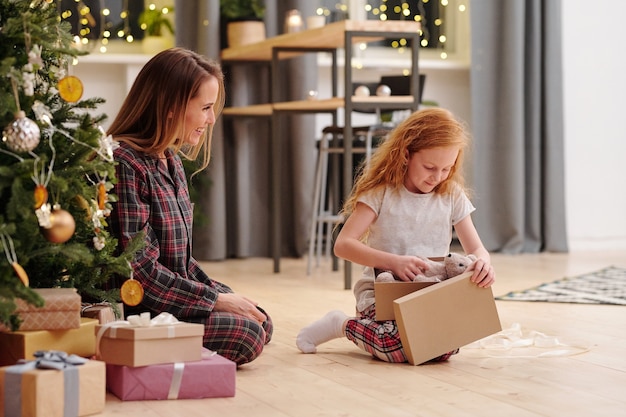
{"x":484,"y":276}
{"x":406,"y":268}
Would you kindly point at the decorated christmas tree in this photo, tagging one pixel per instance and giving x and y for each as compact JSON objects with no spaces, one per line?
{"x":56,"y":167}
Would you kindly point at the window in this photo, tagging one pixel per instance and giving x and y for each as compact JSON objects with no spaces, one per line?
{"x":94,"y":20}
{"x":445,"y":23}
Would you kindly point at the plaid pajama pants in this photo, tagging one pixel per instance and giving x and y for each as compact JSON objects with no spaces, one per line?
{"x":381,"y":339}
{"x":235,"y":337}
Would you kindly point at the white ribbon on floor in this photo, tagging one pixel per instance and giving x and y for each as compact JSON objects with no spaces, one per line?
{"x":513,"y":343}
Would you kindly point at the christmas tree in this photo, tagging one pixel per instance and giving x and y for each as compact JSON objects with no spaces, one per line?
{"x":56,"y":167}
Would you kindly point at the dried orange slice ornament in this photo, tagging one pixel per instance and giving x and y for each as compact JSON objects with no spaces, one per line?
{"x":131,"y":292}
{"x":70,"y":88}
{"x":41,"y":196}
{"x":21,"y":274}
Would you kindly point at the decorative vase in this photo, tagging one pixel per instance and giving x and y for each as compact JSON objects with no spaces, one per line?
{"x":245,"y":32}
{"x":152,"y":45}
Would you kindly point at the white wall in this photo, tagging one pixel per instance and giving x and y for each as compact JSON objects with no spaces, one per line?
{"x":594,"y":81}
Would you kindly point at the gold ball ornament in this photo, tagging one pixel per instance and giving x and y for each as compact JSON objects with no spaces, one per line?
{"x":22,"y":135}
{"x":62,"y":226}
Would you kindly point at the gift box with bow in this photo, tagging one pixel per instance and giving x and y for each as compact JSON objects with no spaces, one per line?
{"x":142,"y":341}
{"x":55,"y":384}
{"x":211,"y":377}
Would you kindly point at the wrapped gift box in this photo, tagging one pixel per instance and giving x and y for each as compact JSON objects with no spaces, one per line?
{"x":30,"y":392}
{"x":22,"y":344}
{"x":213,"y":376}
{"x":445,"y":316}
{"x":122,"y":344}
{"x":103,"y":312}
{"x":61,"y":310}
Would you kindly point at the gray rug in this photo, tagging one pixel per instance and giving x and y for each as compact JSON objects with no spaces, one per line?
{"x":607,"y":286}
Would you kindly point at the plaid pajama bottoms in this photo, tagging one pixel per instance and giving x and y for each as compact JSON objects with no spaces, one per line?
{"x":380,"y":338}
{"x":235,"y":337}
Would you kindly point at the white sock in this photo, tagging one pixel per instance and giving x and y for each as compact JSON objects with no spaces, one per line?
{"x":327,"y":328}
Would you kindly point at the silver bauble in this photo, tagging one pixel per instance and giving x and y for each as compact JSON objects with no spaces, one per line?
{"x":362,"y":91}
{"x":22,"y":135}
{"x":383,"y":91}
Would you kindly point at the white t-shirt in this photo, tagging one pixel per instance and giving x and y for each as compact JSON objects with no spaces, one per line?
{"x":410,"y":224}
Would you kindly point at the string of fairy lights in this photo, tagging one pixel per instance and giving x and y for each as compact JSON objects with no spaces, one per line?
{"x":96,"y":26}
{"x":407,"y":10}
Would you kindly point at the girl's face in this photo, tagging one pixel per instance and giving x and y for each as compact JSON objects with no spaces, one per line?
{"x":200,"y":113}
{"x":429,"y":168}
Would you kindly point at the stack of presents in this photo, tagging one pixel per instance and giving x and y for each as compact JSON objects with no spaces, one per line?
{"x":66,"y":355}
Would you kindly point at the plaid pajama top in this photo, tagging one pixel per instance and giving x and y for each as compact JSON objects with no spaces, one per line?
{"x":156,"y":201}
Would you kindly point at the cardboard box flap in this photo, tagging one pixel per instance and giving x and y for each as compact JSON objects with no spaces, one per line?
{"x":385,"y":293}
{"x":178,"y":330}
{"x":443,"y":317}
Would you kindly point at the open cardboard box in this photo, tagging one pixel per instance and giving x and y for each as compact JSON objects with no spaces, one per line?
{"x":439,"y":317}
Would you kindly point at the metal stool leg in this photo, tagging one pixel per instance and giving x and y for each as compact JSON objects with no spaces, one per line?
{"x":318,"y":199}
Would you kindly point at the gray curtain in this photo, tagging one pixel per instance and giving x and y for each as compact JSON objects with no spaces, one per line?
{"x":232,"y":210}
{"x":517,"y":125}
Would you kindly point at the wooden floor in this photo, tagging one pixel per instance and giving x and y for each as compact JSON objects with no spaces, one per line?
{"x":340,"y":380}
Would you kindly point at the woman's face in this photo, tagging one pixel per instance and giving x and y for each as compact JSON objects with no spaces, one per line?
{"x":200,"y":113}
{"x":429,"y":168}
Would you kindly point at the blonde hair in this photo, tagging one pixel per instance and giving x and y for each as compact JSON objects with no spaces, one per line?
{"x":423,"y":129}
{"x":152,"y":116}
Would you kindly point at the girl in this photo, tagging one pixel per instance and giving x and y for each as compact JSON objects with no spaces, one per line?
{"x":170,"y":110}
{"x":404,"y":204}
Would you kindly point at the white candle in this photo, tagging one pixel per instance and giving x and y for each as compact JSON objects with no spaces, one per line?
{"x":293,"y":21}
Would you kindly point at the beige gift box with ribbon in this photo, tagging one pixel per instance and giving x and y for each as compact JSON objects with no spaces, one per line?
{"x":53,"y":385}
{"x":142,"y":341}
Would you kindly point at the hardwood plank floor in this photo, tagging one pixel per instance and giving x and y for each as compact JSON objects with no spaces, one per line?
{"x":341,"y":380}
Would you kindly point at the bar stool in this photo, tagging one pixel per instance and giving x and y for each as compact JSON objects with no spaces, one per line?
{"x":325,"y":209}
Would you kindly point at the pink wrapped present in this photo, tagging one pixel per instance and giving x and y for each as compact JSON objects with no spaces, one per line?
{"x":211,"y":377}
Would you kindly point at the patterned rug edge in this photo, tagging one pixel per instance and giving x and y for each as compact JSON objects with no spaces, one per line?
{"x":605,"y":286}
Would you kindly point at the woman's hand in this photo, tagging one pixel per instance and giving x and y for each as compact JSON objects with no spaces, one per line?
{"x":238,"y":304}
{"x":484,"y":275}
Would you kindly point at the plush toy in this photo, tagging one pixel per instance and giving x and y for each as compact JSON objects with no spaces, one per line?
{"x":452,"y":265}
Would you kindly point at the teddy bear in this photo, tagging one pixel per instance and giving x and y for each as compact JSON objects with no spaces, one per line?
{"x":452,"y":265}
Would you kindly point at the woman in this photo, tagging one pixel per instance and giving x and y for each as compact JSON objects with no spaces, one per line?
{"x":170,"y":111}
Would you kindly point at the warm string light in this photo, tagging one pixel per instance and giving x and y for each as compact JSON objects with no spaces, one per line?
{"x":416,"y":11}
{"x":86,"y":24}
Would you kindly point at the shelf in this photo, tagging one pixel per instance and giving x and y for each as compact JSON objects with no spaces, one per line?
{"x":344,"y":35}
{"x":317,"y":106}
{"x":330,"y":36}
{"x":255,"y":110}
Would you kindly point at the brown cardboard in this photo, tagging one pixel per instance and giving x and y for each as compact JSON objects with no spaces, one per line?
{"x":386,"y":293}
{"x":152,"y":345}
{"x":22,"y":344}
{"x":445,"y":316}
